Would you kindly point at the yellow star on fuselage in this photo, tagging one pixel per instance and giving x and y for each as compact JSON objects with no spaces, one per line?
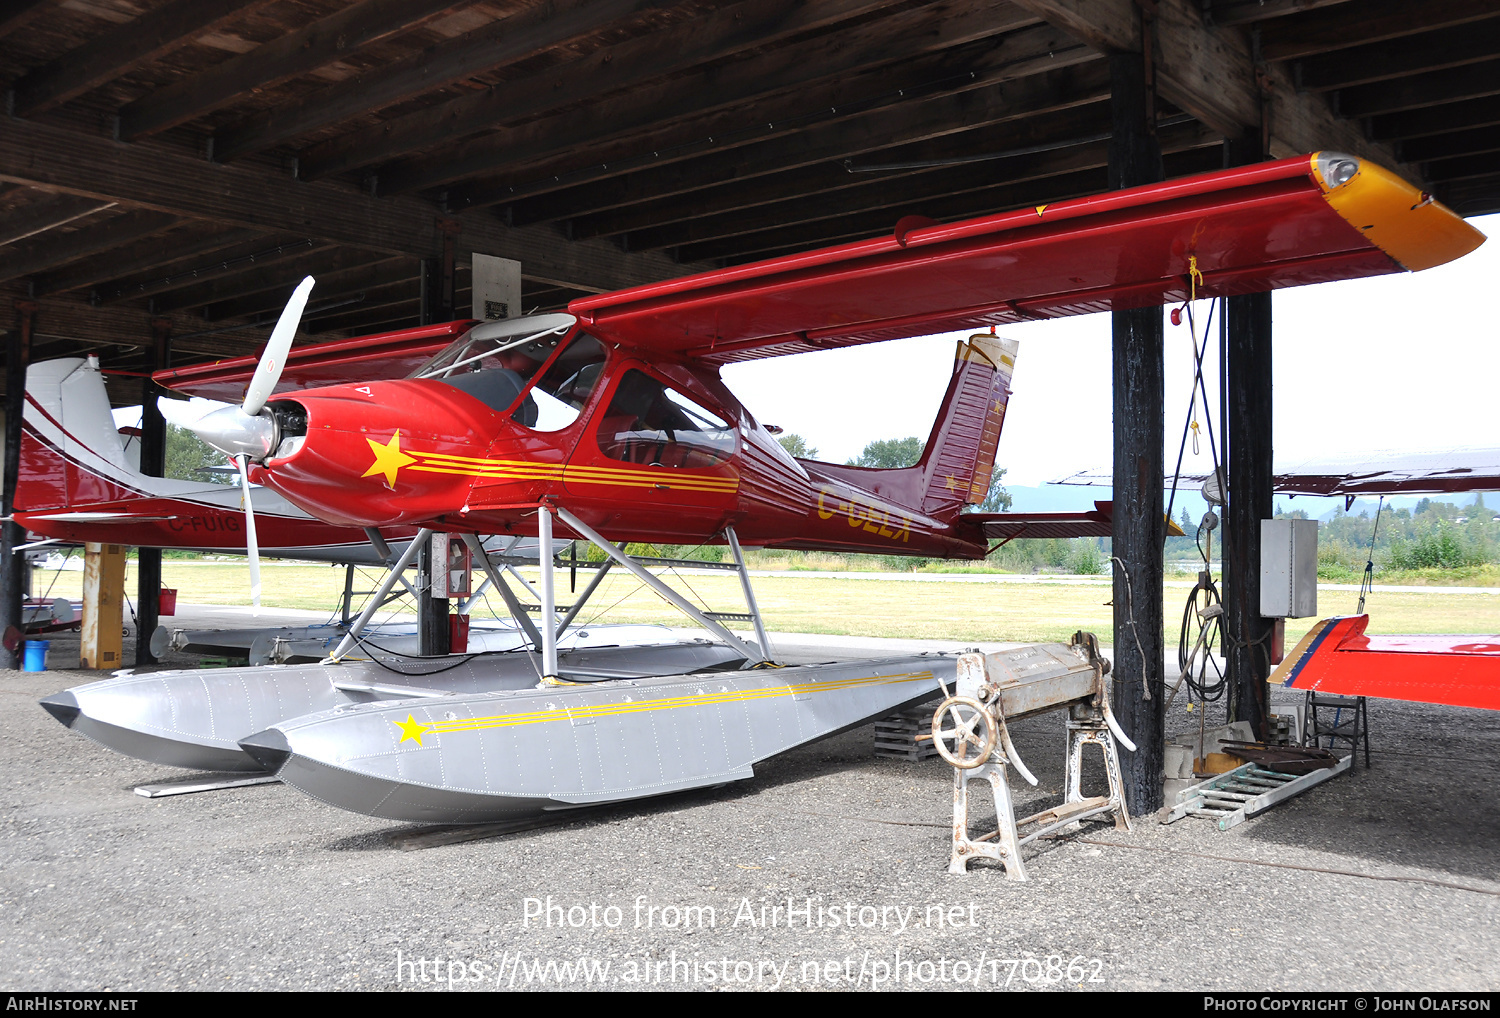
{"x":388,"y":459}
{"x":411,"y":728}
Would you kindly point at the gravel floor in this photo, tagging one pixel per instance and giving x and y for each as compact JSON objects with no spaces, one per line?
{"x":1383,"y":879}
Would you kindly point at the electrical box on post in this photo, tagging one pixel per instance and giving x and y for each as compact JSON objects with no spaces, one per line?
{"x":1288,"y":569}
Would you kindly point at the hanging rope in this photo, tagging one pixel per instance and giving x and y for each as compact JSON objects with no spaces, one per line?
{"x":1368,"y":580}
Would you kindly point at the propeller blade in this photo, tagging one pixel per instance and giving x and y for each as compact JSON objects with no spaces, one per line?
{"x":252,"y":546}
{"x":268,"y":371}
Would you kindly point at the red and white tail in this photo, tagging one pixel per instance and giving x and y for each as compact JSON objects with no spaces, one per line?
{"x":71,"y":451}
{"x":960,"y":456}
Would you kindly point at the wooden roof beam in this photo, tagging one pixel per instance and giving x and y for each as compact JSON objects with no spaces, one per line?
{"x":1447,"y":171}
{"x":1458,"y":116}
{"x":1475,"y":196}
{"x":296,"y":53}
{"x":1325,"y":31}
{"x":17,"y":14}
{"x":882,"y":127}
{"x":1458,"y":143}
{"x":985,"y":201}
{"x":499,"y":44}
{"x":330,"y":284}
{"x":129,"y":263}
{"x":259,"y":198}
{"x":908,"y":190}
{"x":1241,"y":12}
{"x":843,"y":61}
{"x":253,"y":250}
{"x":1068,"y":129}
{"x":366,"y":322}
{"x":80,"y":327}
{"x":597,"y":150}
{"x":122,"y":50}
{"x":1397,"y":58}
{"x":1211,"y":73}
{"x":698,"y":42}
{"x":283,"y":276}
{"x":50,"y":250}
{"x":45,"y":214}
{"x":1435,"y":88}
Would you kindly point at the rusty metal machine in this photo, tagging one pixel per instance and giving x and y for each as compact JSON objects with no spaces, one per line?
{"x":970,"y":731}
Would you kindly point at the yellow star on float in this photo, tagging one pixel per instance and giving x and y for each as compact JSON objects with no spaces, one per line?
{"x":951,"y":483}
{"x":412,"y":729}
{"x":388,"y":459}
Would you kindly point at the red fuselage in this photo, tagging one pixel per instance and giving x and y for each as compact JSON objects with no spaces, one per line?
{"x":421,"y":451}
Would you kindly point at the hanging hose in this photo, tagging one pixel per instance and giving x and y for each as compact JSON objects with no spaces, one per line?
{"x":1202,"y":627}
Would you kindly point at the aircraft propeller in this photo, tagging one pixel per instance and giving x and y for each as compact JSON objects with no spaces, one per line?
{"x":247,"y":432}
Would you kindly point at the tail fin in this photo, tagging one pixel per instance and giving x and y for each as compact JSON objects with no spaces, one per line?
{"x":960,"y":456}
{"x":71,"y":450}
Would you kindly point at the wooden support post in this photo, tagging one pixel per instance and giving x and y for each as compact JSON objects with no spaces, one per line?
{"x":438,"y":277}
{"x":1248,"y":469}
{"x":13,"y":565}
{"x":153,"y":464}
{"x":1251,"y":494}
{"x":1138,"y":533}
{"x":432,"y":612}
{"x":103,"y":605}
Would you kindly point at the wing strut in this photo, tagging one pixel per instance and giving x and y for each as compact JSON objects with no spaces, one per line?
{"x":391,"y":576}
{"x":649,"y":579}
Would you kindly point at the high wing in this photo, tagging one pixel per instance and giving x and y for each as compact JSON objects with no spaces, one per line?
{"x":362,"y":359}
{"x":1416,"y":473}
{"x":1309,"y":219}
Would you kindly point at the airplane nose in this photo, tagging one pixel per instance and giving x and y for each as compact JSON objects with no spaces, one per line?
{"x":268,"y":748}
{"x":63,"y":706}
{"x":236,"y":433}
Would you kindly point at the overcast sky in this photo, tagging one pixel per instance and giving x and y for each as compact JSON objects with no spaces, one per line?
{"x":1407,"y":362}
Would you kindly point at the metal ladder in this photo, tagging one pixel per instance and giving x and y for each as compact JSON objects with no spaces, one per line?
{"x":1233,"y":797}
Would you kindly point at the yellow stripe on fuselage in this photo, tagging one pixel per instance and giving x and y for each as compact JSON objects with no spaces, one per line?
{"x":530,"y":470}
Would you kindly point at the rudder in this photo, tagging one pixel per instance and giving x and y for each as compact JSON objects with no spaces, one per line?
{"x":959,"y":460}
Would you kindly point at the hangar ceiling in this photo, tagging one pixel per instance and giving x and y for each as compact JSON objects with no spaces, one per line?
{"x":187,"y":162}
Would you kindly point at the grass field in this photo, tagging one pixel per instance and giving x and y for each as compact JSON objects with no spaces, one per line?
{"x":851,"y":607}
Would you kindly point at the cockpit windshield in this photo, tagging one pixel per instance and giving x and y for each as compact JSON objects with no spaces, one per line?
{"x":499,"y":345}
{"x":499,"y":361}
{"x":495,"y":362}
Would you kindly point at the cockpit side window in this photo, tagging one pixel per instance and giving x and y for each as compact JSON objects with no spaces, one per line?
{"x":653,"y":425}
{"x":562,"y":392}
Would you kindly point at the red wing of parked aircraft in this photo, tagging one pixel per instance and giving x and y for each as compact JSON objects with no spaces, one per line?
{"x":1337,"y":657}
{"x":1399,"y":473}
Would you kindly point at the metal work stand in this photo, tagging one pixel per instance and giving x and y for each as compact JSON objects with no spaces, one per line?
{"x":1004,"y":843}
{"x":970,"y":732}
{"x":1350,"y":723}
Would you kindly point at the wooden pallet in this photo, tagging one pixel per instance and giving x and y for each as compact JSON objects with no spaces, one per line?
{"x":896,"y":735}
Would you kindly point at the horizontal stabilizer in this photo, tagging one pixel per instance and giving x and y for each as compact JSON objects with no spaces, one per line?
{"x":1095,"y":522}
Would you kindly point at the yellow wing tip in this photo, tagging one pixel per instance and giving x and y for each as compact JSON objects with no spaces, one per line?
{"x":1408,"y":224}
